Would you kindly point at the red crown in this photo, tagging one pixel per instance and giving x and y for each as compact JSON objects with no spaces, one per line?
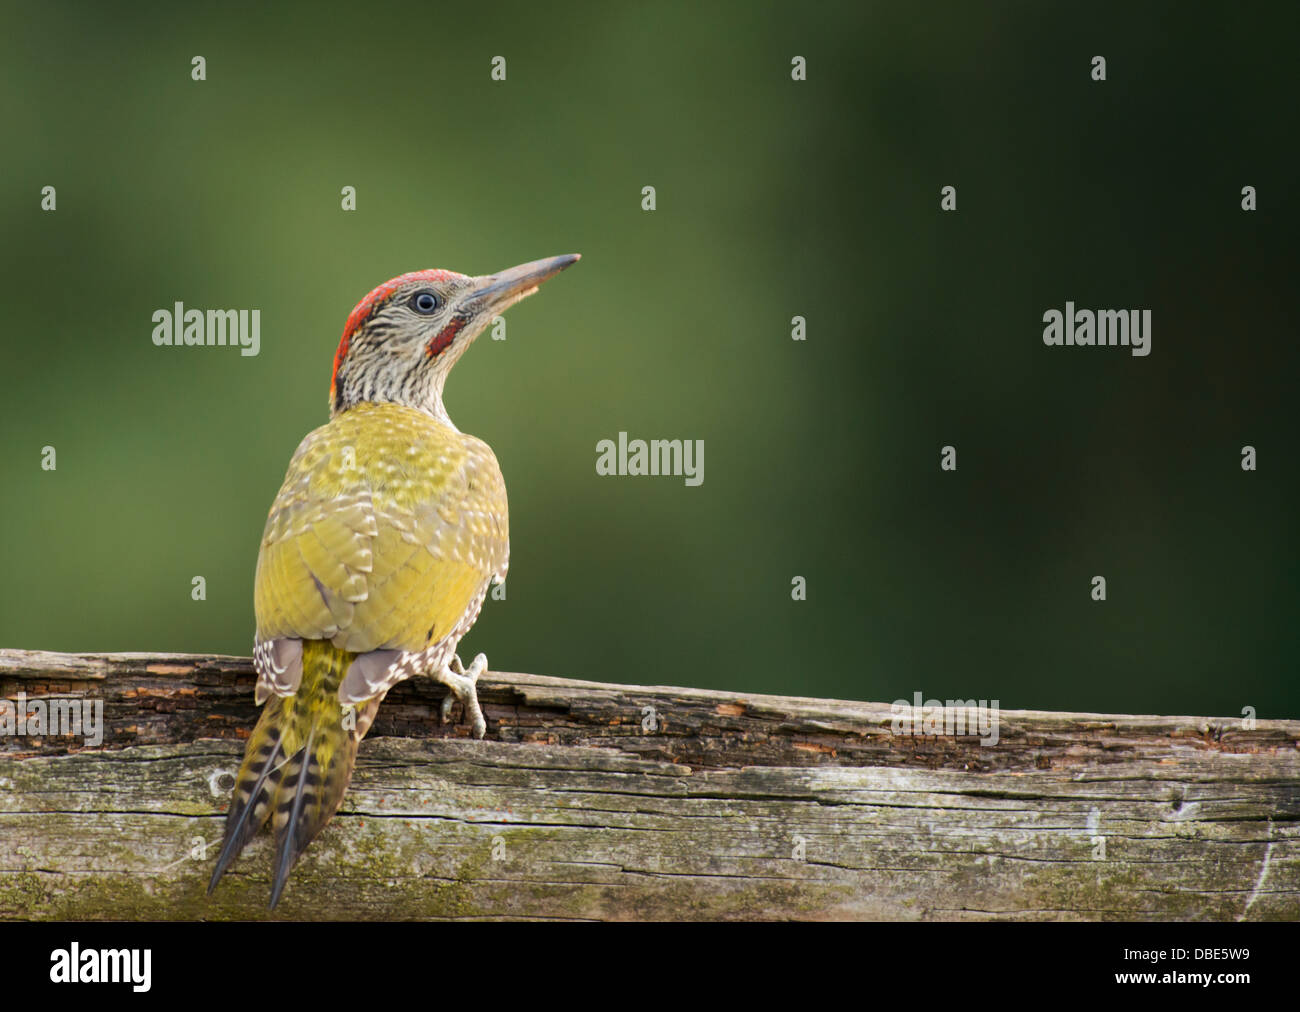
{"x":371,"y":304}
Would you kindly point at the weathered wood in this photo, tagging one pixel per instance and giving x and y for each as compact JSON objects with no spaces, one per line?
{"x":577,"y":805}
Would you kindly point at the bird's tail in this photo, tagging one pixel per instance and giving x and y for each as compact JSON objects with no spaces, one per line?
{"x":297,"y":765}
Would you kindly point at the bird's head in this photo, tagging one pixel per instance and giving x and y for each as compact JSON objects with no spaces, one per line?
{"x":402,"y":339}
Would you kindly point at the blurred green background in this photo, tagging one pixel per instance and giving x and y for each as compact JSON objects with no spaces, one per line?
{"x":775,"y":198}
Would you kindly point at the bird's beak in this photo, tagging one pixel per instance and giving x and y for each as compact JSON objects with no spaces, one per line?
{"x":497,"y":292}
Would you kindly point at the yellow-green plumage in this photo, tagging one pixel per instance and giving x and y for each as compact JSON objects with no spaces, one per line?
{"x":385,"y":535}
{"x":377,"y":554}
{"x":386,"y":526}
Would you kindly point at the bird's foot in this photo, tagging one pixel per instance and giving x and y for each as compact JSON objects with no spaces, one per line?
{"x":463,"y":685}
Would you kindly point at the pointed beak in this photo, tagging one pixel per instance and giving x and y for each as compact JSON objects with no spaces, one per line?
{"x":496,"y":292}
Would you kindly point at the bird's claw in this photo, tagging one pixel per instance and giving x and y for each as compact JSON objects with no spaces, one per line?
{"x":463,"y":685}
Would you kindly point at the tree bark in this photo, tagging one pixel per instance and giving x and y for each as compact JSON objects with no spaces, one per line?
{"x":616,"y":802}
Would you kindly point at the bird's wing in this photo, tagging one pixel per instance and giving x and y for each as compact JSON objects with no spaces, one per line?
{"x":384,"y":533}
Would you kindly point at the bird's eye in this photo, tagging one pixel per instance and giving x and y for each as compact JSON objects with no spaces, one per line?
{"x":424,"y":302}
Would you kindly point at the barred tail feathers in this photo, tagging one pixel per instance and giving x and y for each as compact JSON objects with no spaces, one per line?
{"x":297,"y":765}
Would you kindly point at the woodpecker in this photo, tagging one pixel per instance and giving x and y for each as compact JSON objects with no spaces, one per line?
{"x":378,"y":551}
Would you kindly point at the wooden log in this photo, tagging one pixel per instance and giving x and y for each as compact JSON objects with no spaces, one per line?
{"x":614,"y":802}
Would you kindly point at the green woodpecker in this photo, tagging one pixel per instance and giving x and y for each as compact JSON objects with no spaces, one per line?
{"x":378,"y":552}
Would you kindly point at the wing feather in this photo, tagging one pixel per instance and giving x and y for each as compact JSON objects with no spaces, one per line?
{"x":387,"y":547}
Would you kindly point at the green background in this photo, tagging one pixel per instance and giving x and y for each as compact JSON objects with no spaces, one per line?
{"x":775,"y":198}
